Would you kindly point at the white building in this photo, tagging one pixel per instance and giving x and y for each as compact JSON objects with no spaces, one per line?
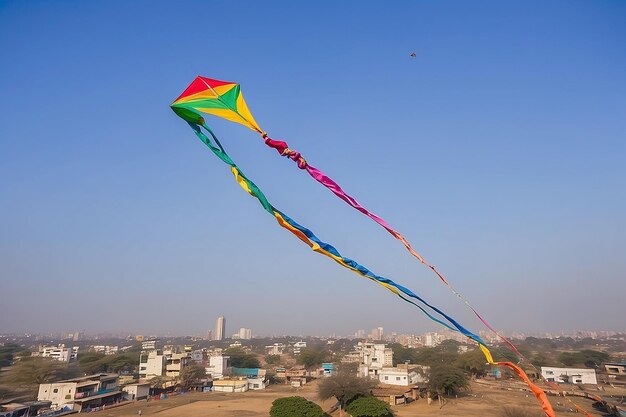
{"x":151,"y":364}
{"x":244,"y":334}
{"x":107,"y":350}
{"x":82,"y":393}
{"x":377,"y":333}
{"x":136,"y":392}
{"x":403,"y":375}
{"x":59,"y":353}
{"x":298,"y":346}
{"x":148,"y":344}
{"x":275,"y":349}
{"x":570,"y":375}
{"x":220,"y":328}
{"x":373,"y":358}
{"x":219,"y":366}
{"x":176,"y":362}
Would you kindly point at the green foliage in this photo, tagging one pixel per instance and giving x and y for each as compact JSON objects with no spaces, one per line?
{"x":272,"y":359}
{"x":446,"y":379}
{"x":447,"y":352}
{"x":34,"y":371}
{"x":588,"y":357}
{"x":312,"y":357}
{"x":92,"y":363}
{"x":344,"y":387}
{"x":295,"y":407}
{"x":9,"y":351}
{"x":473,"y":362}
{"x":240,"y":359}
{"x":369,"y":407}
{"x":192,"y":375}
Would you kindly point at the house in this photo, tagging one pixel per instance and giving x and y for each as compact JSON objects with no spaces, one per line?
{"x":137,"y":391}
{"x":82,"y":393}
{"x":328,"y":369}
{"x":402,"y":375}
{"x":231,"y":385}
{"x":614,"y":369}
{"x":569,"y":375}
{"x":22,"y":409}
{"x":254,"y":376}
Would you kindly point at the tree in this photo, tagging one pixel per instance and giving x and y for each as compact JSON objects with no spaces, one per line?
{"x":192,"y":375}
{"x":295,"y":407}
{"x":311,"y":357}
{"x":369,"y":407}
{"x":33,"y":371}
{"x":9,"y":351}
{"x":474,"y":362}
{"x":272,"y":359}
{"x":344,"y":387}
{"x":240,"y":359}
{"x":446,"y":379}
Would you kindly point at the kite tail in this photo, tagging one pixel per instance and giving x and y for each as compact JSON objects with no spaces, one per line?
{"x":317,"y":245}
{"x":283,"y":149}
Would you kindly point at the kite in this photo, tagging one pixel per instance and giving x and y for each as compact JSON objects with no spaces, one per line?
{"x":224,"y":99}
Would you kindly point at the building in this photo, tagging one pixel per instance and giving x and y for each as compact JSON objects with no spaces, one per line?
{"x":219,"y":366}
{"x":209,"y":335}
{"x":151,"y":364}
{"x":107,"y":350}
{"x":148,"y":345}
{"x":569,"y":375}
{"x":275,"y":349}
{"x":12,"y":408}
{"x":220,"y":328}
{"x":255,"y":377}
{"x":176,"y":362}
{"x":82,"y":394}
{"x":136,"y":392}
{"x":377,"y":333}
{"x":243,"y":333}
{"x":328,"y":369}
{"x":231,"y":385}
{"x":373,"y":358}
{"x":59,"y":353}
{"x":298,"y":346}
{"x":403,"y":375}
{"x":615,"y":369}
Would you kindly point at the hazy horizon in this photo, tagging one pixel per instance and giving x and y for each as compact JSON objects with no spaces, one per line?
{"x":499,"y":151}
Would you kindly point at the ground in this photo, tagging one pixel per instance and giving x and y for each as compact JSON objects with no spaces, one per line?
{"x":482,"y":401}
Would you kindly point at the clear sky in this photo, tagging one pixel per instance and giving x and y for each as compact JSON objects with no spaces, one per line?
{"x":499,"y":151}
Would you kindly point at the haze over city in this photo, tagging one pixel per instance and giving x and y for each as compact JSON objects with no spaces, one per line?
{"x":498,"y":151}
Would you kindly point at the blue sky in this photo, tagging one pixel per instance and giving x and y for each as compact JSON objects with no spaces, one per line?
{"x":498,"y":151}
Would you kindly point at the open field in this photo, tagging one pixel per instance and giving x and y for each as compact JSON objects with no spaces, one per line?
{"x":480,"y":402}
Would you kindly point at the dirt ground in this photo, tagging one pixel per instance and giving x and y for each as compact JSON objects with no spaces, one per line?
{"x":480,"y":402}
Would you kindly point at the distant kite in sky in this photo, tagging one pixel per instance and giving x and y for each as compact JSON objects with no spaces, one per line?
{"x":224,"y":99}
{"x":413,"y":54}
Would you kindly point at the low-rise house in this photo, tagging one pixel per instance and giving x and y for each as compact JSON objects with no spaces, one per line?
{"x":614,"y":369}
{"x":106,"y":349}
{"x":298,"y":346}
{"x":137,"y":391}
{"x":82,"y":393}
{"x":231,"y":385}
{"x":403,"y":375}
{"x":254,"y":376}
{"x":275,"y":349}
{"x":569,"y":375}
{"x":23,"y":409}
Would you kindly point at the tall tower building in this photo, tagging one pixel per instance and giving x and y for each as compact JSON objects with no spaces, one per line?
{"x":220,"y":328}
